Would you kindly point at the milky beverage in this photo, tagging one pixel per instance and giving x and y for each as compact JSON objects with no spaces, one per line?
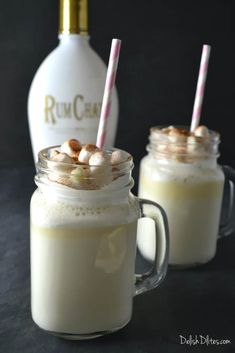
{"x":83,"y":245}
{"x":180,"y":173}
{"x":81,"y":270}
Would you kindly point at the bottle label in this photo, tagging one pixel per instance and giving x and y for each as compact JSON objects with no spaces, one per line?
{"x":77,"y":109}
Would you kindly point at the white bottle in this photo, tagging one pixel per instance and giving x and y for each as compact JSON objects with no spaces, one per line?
{"x":66,"y":93}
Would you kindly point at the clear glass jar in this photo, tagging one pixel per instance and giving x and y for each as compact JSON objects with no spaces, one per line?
{"x":184,"y":177}
{"x":83,"y":248}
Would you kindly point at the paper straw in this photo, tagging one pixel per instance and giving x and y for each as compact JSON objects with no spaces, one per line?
{"x":197,"y":108}
{"x":109,"y":84}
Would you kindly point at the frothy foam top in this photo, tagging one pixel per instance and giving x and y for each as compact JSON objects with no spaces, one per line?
{"x":50,"y":212}
{"x":176,"y":171}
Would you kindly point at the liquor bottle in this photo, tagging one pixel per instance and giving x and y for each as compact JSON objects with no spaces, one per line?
{"x":66,"y":93}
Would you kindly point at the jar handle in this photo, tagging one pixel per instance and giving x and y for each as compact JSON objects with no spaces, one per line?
{"x":227,"y":227}
{"x":152,"y":278}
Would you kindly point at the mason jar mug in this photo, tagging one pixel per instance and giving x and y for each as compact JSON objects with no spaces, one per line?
{"x":181,"y":173}
{"x":83,"y":248}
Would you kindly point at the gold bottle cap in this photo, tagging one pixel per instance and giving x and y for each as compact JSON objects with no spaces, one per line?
{"x":73,"y":17}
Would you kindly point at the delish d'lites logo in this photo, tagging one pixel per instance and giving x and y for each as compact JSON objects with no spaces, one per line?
{"x":206,"y":340}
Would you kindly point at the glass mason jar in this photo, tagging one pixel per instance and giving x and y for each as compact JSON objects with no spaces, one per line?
{"x":184,"y":177}
{"x":83,"y":248}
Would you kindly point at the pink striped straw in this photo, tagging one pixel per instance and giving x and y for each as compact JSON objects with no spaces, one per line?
{"x":109,"y":84}
{"x":197,"y":108}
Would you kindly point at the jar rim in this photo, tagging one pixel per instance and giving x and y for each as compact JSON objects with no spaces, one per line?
{"x":83,"y":176}
{"x":178,"y":143}
{"x":214,"y":136}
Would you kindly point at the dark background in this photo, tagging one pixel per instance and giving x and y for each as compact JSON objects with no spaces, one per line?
{"x":158,"y":68}
{"x":157,"y":75}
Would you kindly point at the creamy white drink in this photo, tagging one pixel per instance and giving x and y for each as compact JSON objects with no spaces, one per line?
{"x":82,"y":270}
{"x":83,"y":242}
{"x":181,"y":174}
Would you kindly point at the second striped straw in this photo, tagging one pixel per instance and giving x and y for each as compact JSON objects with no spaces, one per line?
{"x":109,"y":84}
{"x":197,"y":108}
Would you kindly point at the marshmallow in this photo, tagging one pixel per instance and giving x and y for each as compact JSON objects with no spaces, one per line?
{"x":177,"y":135}
{"x":177,"y":139}
{"x":61,"y":168}
{"x":64,"y":180}
{"x":100,"y":169}
{"x":119,"y":156}
{"x":53,"y":153}
{"x":86,"y":152}
{"x":62,"y":158}
{"x":174,"y":131}
{"x":72,"y":147}
{"x":155,"y":131}
{"x":99,"y":159}
{"x":177,"y":152}
{"x":162,"y":148}
{"x":195,"y":145}
{"x":166,"y":130}
{"x":79,"y":173}
{"x":201,"y":131}
{"x":79,"y":178}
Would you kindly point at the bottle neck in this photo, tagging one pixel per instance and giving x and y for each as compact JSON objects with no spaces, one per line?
{"x":71,"y":38}
{"x":73,"y":17}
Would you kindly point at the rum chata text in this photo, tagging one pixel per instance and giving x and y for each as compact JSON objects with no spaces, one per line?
{"x":77,"y":109}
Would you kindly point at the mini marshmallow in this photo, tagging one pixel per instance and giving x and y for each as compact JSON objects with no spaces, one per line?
{"x":78,"y":178}
{"x":177,"y":135}
{"x":177,"y":143}
{"x":72,"y":147}
{"x":60,"y":179}
{"x":60,"y":170}
{"x":100,"y":169}
{"x":162,"y":148}
{"x":155,"y":131}
{"x":62,"y":158}
{"x":174,"y":131}
{"x":63,"y":166}
{"x":201,"y":131}
{"x":166,"y":130}
{"x":119,"y":156}
{"x":99,"y":158}
{"x":86,"y":152}
{"x":54,"y":153}
{"x":195,"y":145}
{"x":79,"y":173}
{"x":177,"y":152}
